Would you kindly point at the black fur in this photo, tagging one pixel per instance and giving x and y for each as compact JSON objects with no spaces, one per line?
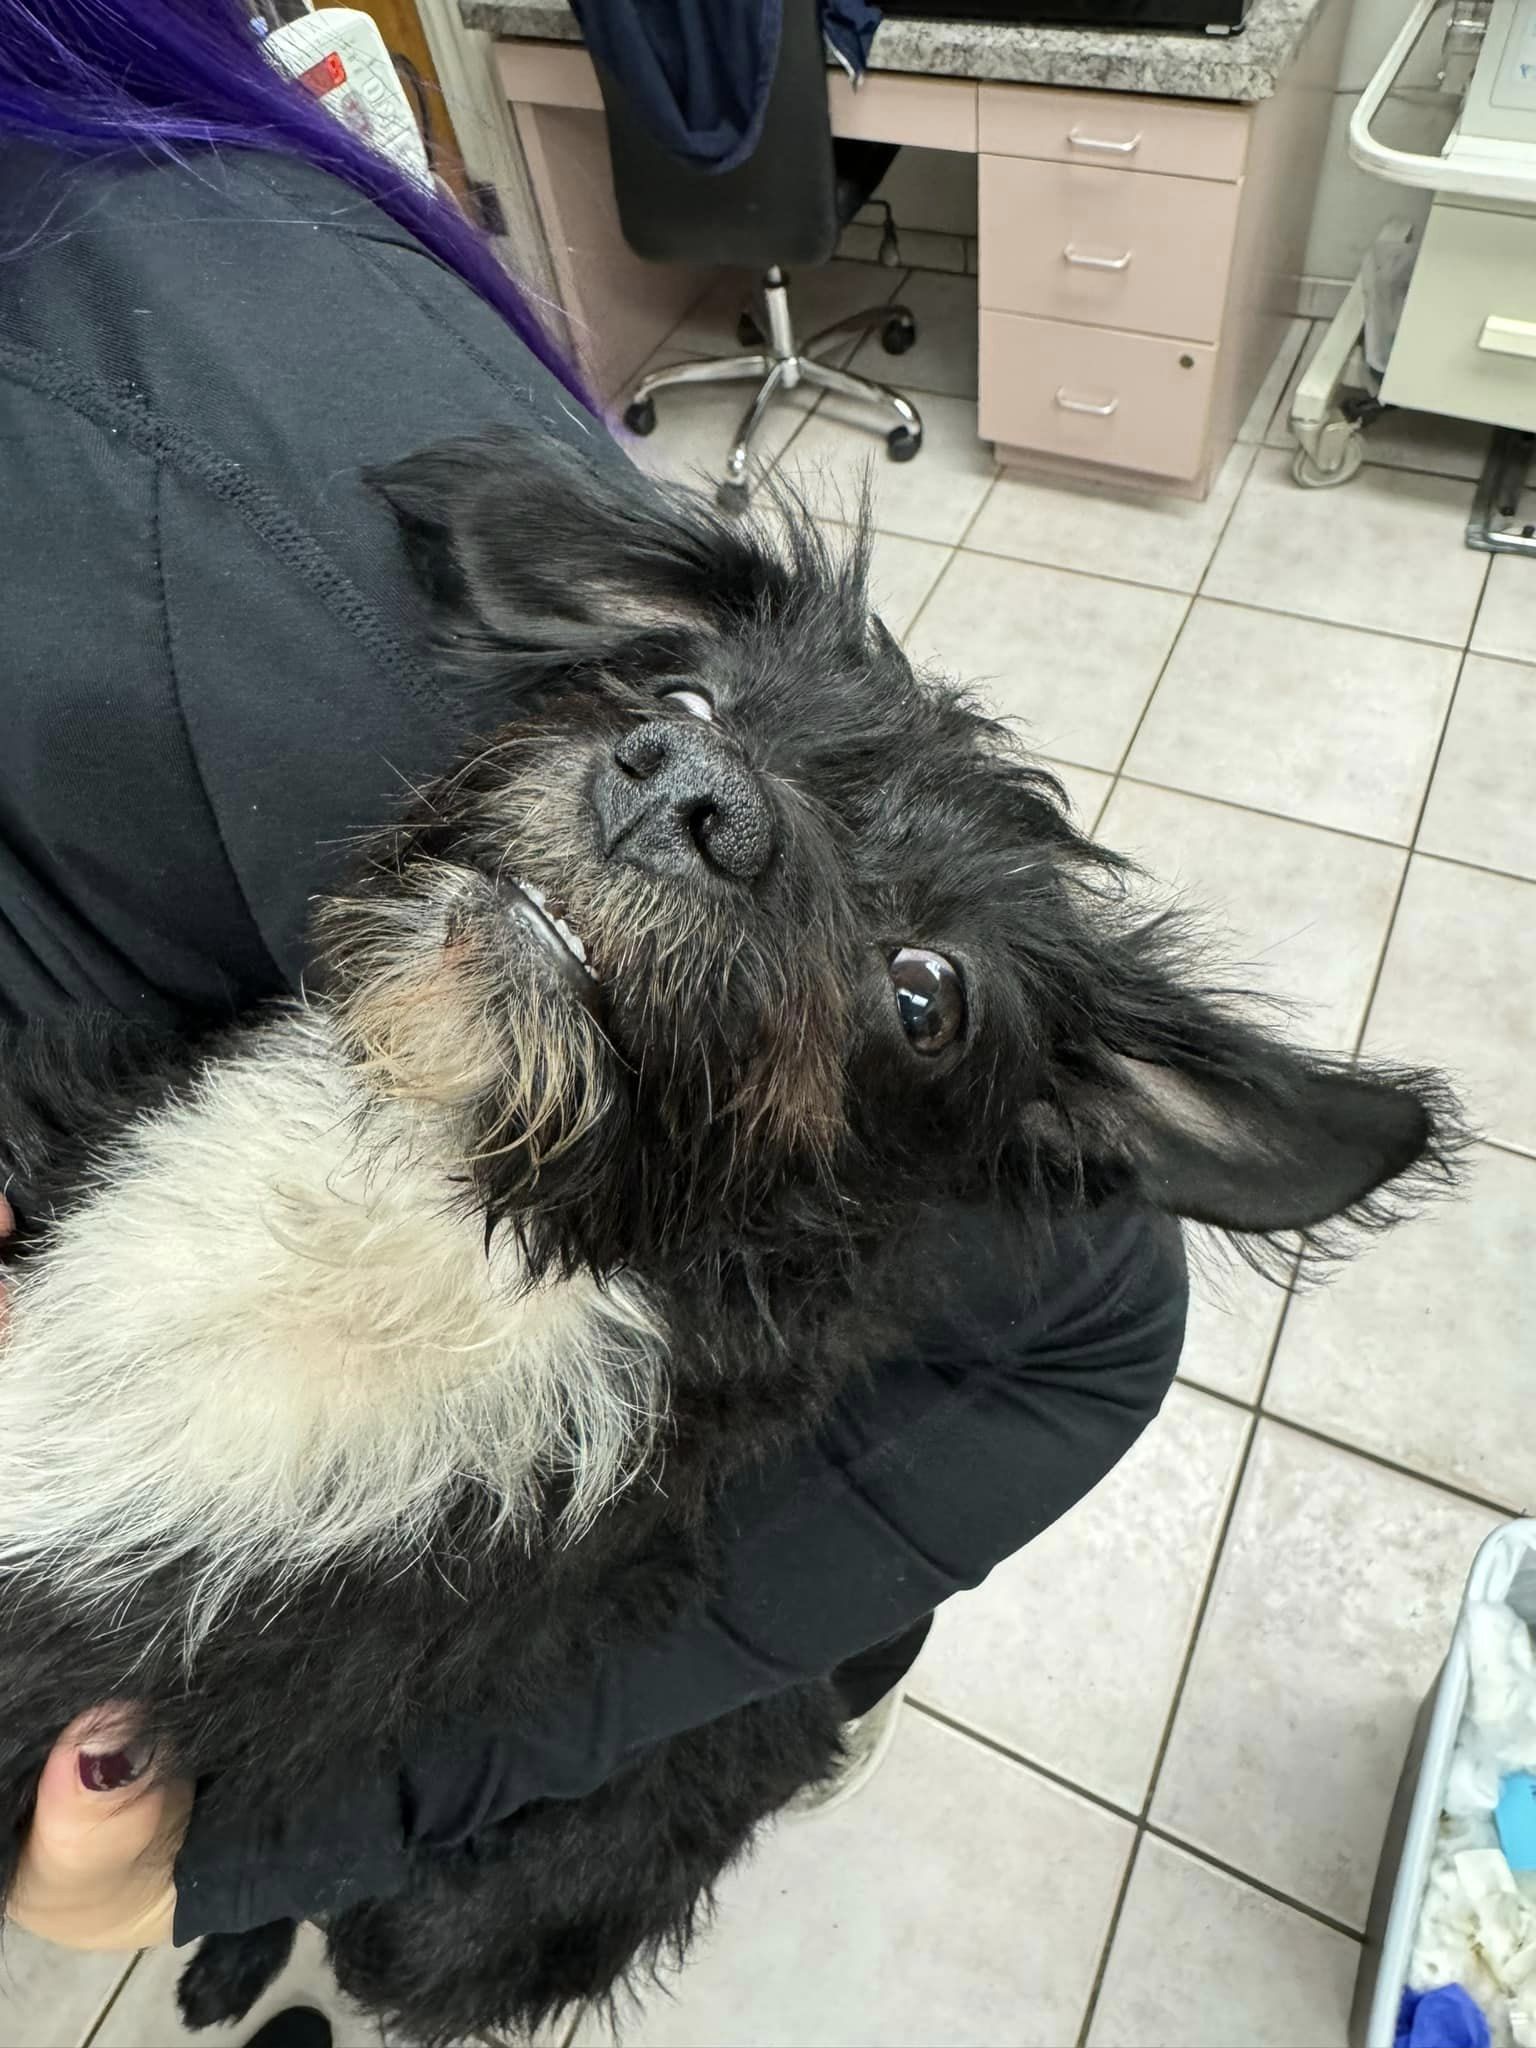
{"x":747,"y":1130}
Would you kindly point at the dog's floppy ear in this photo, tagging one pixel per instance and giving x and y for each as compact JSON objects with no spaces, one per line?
{"x":524,"y":541}
{"x":1214,"y":1118}
{"x":1283,"y":1143}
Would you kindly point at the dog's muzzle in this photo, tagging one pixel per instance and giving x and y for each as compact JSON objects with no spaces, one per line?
{"x":675,"y":796}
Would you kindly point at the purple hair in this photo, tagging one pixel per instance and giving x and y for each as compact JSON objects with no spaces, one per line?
{"x":96,"y":76}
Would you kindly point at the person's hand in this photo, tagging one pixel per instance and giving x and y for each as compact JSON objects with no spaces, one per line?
{"x":97,"y":1868}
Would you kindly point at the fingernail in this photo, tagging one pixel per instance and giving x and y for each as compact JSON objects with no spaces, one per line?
{"x":112,"y":1770}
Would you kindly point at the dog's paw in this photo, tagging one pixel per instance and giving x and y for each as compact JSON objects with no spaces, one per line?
{"x":229,"y":1973}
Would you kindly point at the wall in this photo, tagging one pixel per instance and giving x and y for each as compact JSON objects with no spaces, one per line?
{"x":1351,"y":205}
{"x":932,"y":194}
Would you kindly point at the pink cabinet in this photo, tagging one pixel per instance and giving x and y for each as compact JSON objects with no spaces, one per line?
{"x":1091,"y":394}
{"x":1109,"y":248}
{"x":1185,"y":138}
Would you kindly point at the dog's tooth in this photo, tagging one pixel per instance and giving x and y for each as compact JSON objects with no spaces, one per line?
{"x":571,"y":940}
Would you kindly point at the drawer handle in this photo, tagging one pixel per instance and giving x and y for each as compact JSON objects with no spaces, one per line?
{"x":1102,"y":143}
{"x":1068,"y":403}
{"x":1086,"y":262}
{"x":1508,"y":337}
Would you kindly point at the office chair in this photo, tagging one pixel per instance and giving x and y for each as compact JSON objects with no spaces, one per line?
{"x":785,"y":206}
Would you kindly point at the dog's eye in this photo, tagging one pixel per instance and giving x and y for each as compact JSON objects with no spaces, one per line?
{"x":694,"y":702}
{"x":930,"y":998}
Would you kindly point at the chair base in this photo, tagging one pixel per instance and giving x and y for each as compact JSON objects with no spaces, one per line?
{"x":781,"y":365}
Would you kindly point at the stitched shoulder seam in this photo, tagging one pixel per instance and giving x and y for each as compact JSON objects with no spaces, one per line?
{"x":126,"y":413}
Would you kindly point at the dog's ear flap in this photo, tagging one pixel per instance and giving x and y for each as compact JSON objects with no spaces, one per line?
{"x":521,"y":539}
{"x":1279,"y":1143}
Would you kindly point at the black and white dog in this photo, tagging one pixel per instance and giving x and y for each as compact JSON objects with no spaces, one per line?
{"x":341,"y":1345}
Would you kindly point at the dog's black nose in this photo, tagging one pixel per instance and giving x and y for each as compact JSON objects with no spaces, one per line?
{"x":674,"y":793}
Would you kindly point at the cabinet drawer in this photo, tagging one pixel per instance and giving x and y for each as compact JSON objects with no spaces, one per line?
{"x":894,"y":106}
{"x":1467,"y":340}
{"x":1115,"y":250}
{"x":1124,"y":399}
{"x":1185,"y":138}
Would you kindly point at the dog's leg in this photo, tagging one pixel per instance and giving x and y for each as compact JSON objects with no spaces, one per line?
{"x":230,"y":1972}
{"x":573,"y":1900}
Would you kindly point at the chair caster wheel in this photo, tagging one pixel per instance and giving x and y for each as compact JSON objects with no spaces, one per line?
{"x":748,"y":333}
{"x":1311,"y":478}
{"x":732,"y":497}
{"x":640,"y":418}
{"x":903,"y":443}
{"x":898,"y":334}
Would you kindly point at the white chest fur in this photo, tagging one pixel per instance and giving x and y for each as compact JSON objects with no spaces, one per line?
{"x":270,"y":1336}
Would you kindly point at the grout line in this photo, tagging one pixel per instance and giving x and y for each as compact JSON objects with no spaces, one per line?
{"x":1504,"y":1509}
{"x":938,"y":577}
{"x":686,"y":315}
{"x":1291,"y":1296}
{"x":1029,"y":1763}
{"x":1228,"y":803}
{"x":1236,"y":604}
{"x":1237,"y":498}
{"x":1147,"y":1830}
{"x":1106,"y":1948}
{"x":981,"y":505}
{"x":1385,"y":948}
{"x":1402,"y":881}
{"x":928,"y":597}
{"x":1219,"y":1393}
{"x":1095,"y":575}
{"x":1450,"y":476}
{"x":1102,"y":575}
{"x":954,"y":550}
{"x":1184,"y":619}
{"x":1258,"y":1884}
{"x":1446,"y":476}
{"x":1157,"y":683}
{"x":1142,"y":1825}
{"x":1477,"y":609}
{"x":1217,"y":1552}
{"x":1269,"y":611}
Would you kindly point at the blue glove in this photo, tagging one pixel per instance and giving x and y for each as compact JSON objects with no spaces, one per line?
{"x":1446,"y":2017}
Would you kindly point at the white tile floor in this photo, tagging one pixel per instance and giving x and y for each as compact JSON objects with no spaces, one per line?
{"x":1137,"y":1799}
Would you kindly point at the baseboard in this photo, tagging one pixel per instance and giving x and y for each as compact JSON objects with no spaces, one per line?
{"x":1319,"y":298}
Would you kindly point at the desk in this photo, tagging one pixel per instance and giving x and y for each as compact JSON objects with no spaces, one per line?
{"x":1143,"y":209}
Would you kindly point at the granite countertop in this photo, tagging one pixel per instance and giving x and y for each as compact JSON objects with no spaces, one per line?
{"x":1240,"y":67}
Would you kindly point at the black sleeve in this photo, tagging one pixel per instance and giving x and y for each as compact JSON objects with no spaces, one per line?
{"x":954,"y":1455}
{"x":214,"y":671}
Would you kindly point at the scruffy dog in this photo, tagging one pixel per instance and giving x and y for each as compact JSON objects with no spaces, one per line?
{"x":378,"y":1360}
